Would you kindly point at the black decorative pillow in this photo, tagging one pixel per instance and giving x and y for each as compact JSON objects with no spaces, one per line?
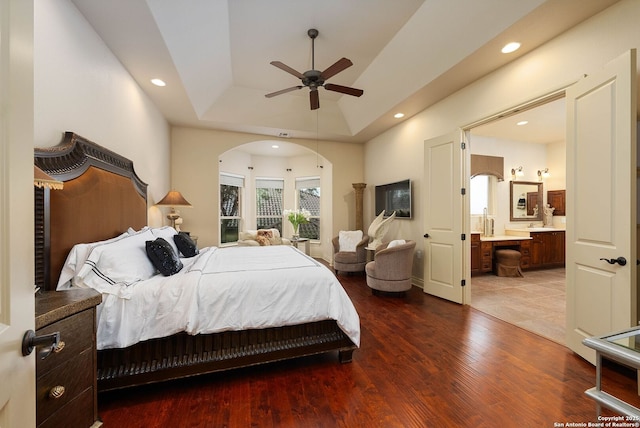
{"x":185,"y":244}
{"x":163,"y":257}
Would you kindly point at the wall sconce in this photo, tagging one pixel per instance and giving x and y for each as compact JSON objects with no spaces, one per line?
{"x":543,"y":173}
{"x":516,"y":172}
{"x":174,"y":199}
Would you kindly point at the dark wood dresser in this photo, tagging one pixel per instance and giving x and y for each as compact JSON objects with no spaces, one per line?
{"x":66,"y":381}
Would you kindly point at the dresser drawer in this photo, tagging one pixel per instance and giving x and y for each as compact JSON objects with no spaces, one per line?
{"x":76,"y":375}
{"x":76,"y":413}
{"x":77,"y":334}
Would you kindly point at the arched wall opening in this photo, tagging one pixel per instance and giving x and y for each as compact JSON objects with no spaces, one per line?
{"x":286,"y":161}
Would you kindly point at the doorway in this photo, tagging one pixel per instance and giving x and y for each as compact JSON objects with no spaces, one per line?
{"x":532,"y":144}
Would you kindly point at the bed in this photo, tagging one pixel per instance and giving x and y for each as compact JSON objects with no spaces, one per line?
{"x":102,"y":199}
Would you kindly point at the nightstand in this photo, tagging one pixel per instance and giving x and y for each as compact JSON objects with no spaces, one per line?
{"x":66,"y":380}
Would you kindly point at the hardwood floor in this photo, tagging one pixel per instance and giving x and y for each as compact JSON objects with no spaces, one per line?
{"x":424,"y":362}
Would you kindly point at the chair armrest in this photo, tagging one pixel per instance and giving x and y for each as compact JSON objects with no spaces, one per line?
{"x":336,"y":244}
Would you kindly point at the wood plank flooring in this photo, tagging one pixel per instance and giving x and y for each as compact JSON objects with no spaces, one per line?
{"x":424,"y":362}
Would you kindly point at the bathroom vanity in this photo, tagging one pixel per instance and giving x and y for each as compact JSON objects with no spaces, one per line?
{"x":547,"y":245}
{"x":483,"y":250}
{"x":541,"y":248}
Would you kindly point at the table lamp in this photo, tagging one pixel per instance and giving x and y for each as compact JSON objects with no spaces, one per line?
{"x":174,"y":199}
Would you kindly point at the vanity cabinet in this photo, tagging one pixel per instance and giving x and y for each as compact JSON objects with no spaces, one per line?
{"x":486,"y":252}
{"x":547,"y":249}
{"x":476,"y":259}
{"x":483,"y":249}
{"x":66,"y":380}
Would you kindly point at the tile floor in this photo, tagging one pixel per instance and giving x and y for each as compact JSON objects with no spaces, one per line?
{"x":535,"y":302}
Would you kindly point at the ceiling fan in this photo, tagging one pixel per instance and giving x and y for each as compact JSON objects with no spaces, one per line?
{"x":314,"y":78}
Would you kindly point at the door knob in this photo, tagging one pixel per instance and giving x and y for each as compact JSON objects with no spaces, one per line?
{"x":30,"y":341}
{"x":620,"y":260}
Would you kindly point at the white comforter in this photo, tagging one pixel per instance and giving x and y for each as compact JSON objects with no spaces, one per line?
{"x":222,"y":289}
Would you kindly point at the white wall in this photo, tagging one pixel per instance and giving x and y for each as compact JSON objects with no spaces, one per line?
{"x":398,"y":153}
{"x":238,"y":162}
{"x":195,"y":157}
{"x":530,"y":156}
{"x":81,"y":87}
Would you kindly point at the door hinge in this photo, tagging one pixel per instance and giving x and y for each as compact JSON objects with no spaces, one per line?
{"x":463,"y":145}
{"x":463,"y":282}
{"x":463,"y":237}
{"x":463,"y":191}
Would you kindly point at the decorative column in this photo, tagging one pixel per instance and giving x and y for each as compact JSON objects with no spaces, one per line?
{"x":359,"y":188}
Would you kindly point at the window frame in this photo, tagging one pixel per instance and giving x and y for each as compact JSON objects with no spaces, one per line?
{"x":301,"y":184}
{"x":271,"y":183}
{"x":231,"y":180}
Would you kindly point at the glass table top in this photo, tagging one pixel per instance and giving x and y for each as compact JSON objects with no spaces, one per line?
{"x":629,"y":340}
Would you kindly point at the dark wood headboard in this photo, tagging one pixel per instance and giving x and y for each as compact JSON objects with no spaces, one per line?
{"x":102,"y":197}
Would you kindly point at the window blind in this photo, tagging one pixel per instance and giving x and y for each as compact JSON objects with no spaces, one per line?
{"x":307,"y":183}
{"x":232,"y":180}
{"x":269,"y":183}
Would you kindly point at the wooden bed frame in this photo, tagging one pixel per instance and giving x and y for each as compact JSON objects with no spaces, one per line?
{"x":102,"y":197}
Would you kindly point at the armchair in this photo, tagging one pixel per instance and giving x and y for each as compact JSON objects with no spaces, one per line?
{"x":391,"y":269}
{"x":349,"y":252}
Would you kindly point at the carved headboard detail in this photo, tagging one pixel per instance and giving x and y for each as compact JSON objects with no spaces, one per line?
{"x":102,"y":197}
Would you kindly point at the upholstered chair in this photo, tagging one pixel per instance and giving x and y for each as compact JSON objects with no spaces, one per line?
{"x":349,"y":251}
{"x":391,"y":269}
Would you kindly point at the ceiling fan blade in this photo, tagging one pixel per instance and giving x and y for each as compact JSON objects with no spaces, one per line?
{"x":314,"y":99}
{"x":336,"y":68}
{"x":283,"y":91}
{"x":344,"y":89}
{"x":288,"y":69}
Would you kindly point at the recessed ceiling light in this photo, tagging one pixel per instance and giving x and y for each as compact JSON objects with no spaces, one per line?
{"x":158,"y":82}
{"x":398,"y":115}
{"x":275,"y":146}
{"x":522,"y":122}
{"x":511,"y":47}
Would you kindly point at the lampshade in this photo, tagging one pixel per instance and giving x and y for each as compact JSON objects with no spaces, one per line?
{"x":174,"y":199}
{"x":42,"y":179}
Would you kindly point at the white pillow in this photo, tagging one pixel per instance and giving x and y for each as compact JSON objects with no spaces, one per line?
{"x":348,"y":239}
{"x":132,"y":231}
{"x":396,"y":242}
{"x":167,"y":233}
{"x":248,"y":235}
{"x":121,"y":262}
{"x":76,"y":258}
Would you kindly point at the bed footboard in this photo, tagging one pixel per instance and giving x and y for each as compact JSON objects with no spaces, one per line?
{"x":183,"y":355}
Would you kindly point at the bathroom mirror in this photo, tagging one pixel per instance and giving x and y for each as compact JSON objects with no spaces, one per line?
{"x":526,"y":201}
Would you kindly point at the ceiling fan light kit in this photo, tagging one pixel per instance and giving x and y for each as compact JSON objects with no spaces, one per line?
{"x":313,"y":79}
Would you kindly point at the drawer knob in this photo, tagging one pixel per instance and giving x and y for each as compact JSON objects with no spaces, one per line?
{"x":59,"y":347}
{"x":56,"y":392}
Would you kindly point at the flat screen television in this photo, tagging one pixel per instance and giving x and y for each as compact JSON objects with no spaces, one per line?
{"x":394,"y":197}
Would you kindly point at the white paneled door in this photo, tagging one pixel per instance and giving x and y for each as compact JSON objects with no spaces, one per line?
{"x":17,"y":373}
{"x":601,"y":204}
{"x":443,"y":214}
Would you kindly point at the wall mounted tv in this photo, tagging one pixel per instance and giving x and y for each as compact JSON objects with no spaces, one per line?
{"x":394,"y":197}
